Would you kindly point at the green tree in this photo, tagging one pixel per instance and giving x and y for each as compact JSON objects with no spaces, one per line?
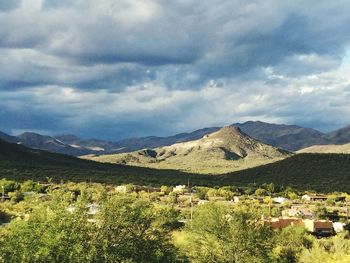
{"x":333,"y":250}
{"x":218,"y":235}
{"x":290,"y":241}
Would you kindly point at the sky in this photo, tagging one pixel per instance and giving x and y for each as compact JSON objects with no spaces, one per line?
{"x":113,"y":69}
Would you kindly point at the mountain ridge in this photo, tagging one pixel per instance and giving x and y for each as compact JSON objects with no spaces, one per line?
{"x":288,"y":137}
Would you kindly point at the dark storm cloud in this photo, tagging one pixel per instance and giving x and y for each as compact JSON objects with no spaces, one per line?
{"x":156,"y":67}
{"x":7,"y":5}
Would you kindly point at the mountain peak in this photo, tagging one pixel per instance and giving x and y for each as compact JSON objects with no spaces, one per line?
{"x":228,"y":134}
{"x":225,"y":150}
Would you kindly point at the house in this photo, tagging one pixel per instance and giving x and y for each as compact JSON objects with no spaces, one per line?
{"x":28,"y":193}
{"x":281,"y":222}
{"x":319,"y":227}
{"x":180,"y":189}
{"x":298,"y":211}
{"x":314,"y":197}
{"x":93,"y":209}
{"x":121,"y":189}
{"x":340,"y":198}
{"x":281,"y":200}
{"x":338,"y":227}
{"x":236,"y":199}
{"x":202,"y":202}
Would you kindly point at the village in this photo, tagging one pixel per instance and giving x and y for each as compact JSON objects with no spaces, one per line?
{"x":320,"y":214}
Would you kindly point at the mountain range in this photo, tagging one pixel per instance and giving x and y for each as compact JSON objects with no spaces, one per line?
{"x":288,"y":137}
{"x":226,"y":150}
{"x":320,"y":172}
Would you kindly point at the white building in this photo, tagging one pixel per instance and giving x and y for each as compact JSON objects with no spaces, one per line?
{"x":180,"y":189}
{"x":280,"y":200}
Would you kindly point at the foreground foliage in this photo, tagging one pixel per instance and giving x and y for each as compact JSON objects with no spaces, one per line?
{"x":126,"y":230}
{"x":95,"y":223}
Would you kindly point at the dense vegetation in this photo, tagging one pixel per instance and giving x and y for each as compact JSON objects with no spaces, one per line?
{"x":52,"y":224}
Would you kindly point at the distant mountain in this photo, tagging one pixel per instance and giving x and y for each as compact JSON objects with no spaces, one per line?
{"x":134,"y":144}
{"x":131,"y":144}
{"x":8,"y":138}
{"x":340,"y":136}
{"x":331,"y":148}
{"x":289,"y":137}
{"x":91,"y":145}
{"x":22,"y":155}
{"x":47,"y":143}
{"x":228,"y":149}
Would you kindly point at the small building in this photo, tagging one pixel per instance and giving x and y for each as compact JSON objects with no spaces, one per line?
{"x":180,"y":189}
{"x":319,"y":227}
{"x":338,"y":227}
{"x":236,"y":199}
{"x":340,"y":199}
{"x":314,"y":198}
{"x":121,"y":189}
{"x":280,"y":200}
{"x":297,"y":211}
{"x":202,"y":202}
{"x":282,"y":222}
{"x":93,"y":209}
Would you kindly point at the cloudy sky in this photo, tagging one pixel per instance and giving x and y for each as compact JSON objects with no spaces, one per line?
{"x":118,"y":68}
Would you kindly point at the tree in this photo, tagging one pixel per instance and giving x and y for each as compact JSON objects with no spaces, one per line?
{"x":126,"y":230}
{"x":165,"y":189}
{"x":218,"y":235}
{"x":133,"y":230}
{"x":335,"y":249}
{"x":290,"y":241}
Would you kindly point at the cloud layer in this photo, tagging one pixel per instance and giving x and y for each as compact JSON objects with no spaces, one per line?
{"x":114,"y":69}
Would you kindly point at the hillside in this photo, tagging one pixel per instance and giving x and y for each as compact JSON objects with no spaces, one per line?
{"x":332,"y":148}
{"x":225,"y":150}
{"x":321,"y":172}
